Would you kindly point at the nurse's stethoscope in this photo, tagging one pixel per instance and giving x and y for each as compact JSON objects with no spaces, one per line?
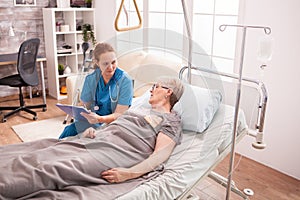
{"x":117,"y":89}
{"x":111,"y":92}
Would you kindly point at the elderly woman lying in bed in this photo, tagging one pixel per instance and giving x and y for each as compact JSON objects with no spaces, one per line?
{"x":133,"y":145}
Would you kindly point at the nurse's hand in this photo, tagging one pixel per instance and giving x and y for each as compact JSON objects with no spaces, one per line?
{"x":92,"y":117}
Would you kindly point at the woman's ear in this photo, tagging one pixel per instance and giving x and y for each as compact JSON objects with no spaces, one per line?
{"x":169,"y":92}
{"x":95,"y":62}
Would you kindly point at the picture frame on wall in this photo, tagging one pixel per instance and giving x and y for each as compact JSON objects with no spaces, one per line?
{"x":24,"y":2}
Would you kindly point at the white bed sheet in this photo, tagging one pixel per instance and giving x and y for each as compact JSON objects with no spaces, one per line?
{"x":191,"y":159}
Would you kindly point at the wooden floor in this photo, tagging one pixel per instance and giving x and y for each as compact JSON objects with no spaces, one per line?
{"x":264,"y":181}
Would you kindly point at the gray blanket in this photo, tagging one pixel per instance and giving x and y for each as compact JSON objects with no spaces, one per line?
{"x":71,"y":169}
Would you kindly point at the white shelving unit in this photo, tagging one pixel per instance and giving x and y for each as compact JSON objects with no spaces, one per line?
{"x":72,"y":37}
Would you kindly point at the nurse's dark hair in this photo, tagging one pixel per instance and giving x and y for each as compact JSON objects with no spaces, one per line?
{"x":102,"y":48}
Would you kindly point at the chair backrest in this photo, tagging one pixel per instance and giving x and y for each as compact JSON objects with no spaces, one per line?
{"x":27,"y":61}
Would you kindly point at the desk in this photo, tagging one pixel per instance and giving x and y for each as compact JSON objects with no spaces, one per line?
{"x":7,"y":59}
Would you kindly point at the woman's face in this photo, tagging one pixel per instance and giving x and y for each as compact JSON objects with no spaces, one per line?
{"x":159,"y":93}
{"x":108,"y":64}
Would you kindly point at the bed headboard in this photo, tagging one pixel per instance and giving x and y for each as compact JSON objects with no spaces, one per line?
{"x":253,"y":92}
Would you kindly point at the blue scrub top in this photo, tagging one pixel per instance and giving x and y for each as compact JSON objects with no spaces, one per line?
{"x":118,"y":90}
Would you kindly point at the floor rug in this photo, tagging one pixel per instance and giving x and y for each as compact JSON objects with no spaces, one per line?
{"x":48,"y":128}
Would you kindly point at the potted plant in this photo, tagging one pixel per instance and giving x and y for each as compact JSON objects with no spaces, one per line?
{"x":61,"y":69}
{"x":88,"y":3}
{"x":87,"y":35}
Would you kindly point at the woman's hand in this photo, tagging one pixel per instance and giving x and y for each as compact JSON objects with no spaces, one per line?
{"x":92,"y":117}
{"x":116,"y":175}
{"x":89,"y":133}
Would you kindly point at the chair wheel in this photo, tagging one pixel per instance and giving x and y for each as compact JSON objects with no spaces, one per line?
{"x":4,"y":120}
{"x":65,"y":121}
{"x":35,"y":118}
{"x":44,"y":109}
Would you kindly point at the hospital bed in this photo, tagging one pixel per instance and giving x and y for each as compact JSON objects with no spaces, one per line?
{"x":200,"y":152}
{"x":193,"y":160}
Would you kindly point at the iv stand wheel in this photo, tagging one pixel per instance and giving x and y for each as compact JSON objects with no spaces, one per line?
{"x":248,"y":192}
{"x":259,"y":145}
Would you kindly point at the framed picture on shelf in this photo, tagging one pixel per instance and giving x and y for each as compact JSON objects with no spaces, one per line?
{"x":78,"y":3}
{"x":24,"y":2}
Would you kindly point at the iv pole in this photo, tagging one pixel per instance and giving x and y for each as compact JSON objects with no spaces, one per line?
{"x":222,"y":28}
{"x":188,"y":28}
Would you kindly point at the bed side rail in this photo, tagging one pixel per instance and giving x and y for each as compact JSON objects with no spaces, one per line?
{"x":261,"y":108}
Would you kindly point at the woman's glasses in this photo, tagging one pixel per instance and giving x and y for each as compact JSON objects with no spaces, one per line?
{"x":155,"y":85}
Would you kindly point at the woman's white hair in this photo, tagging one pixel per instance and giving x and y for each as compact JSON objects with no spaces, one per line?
{"x":175,"y":85}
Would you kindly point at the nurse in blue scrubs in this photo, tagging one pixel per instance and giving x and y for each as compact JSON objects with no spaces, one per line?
{"x":107,"y":92}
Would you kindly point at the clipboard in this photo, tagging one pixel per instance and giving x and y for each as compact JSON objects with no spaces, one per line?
{"x":73,"y":111}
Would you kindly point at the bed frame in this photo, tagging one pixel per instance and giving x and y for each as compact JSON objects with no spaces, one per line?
{"x":255,"y":128}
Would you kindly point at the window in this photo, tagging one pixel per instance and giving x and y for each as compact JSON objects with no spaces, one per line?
{"x":166,"y":22}
{"x":165,"y":30}
{"x":218,"y":46}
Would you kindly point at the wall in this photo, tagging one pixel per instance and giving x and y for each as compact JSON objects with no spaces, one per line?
{"x":282,"y":79}
{"x":105,"y":11}
{"x":29,"y":19}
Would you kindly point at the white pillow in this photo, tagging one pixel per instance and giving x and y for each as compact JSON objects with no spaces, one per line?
{"x":197,"y":106}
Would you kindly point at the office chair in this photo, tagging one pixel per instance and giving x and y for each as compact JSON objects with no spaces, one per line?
{"x":27,"y":76}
